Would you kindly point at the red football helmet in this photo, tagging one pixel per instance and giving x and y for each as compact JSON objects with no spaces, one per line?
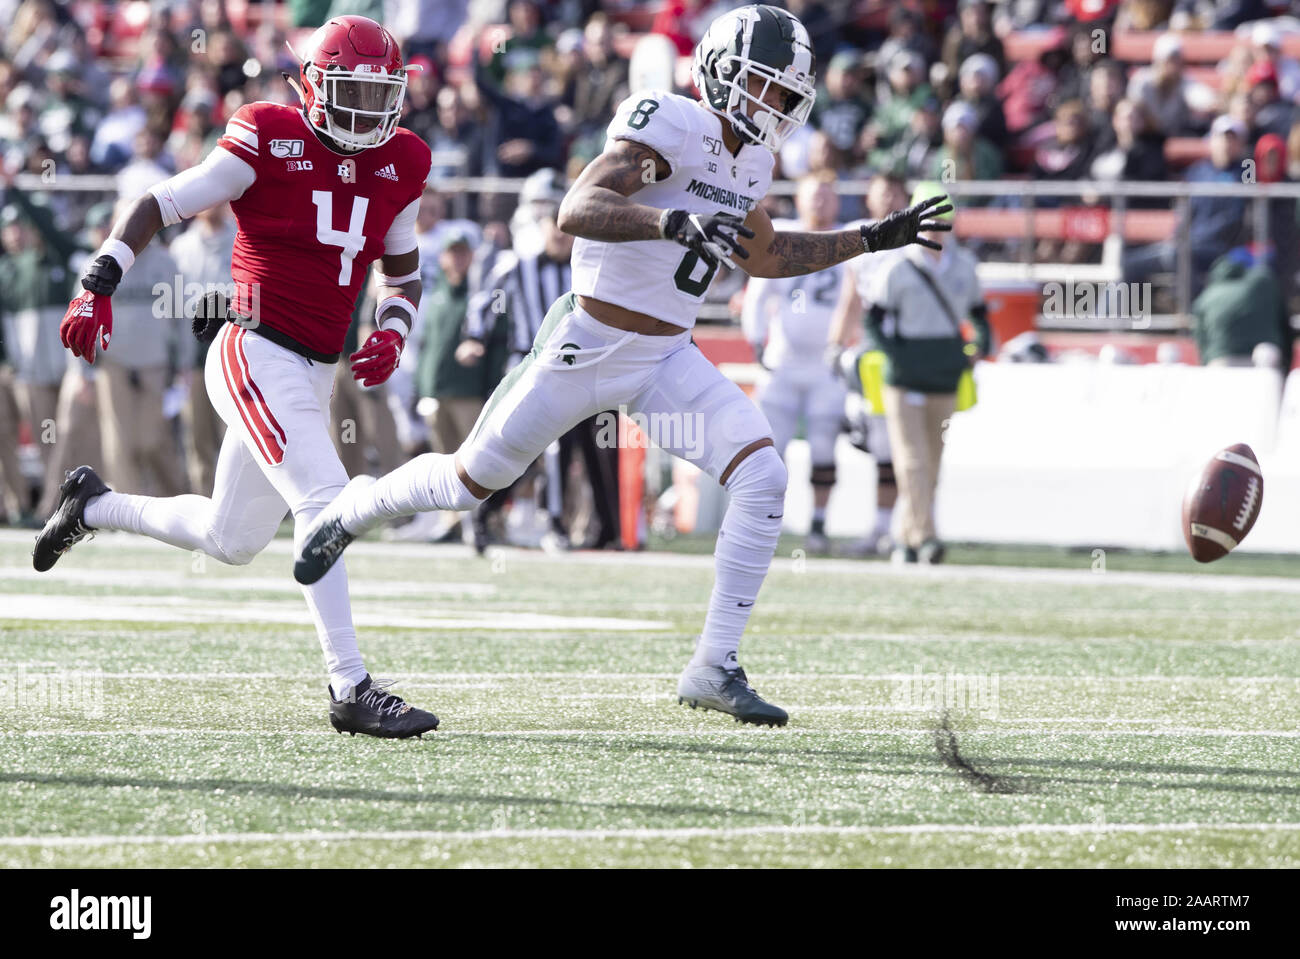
{"x":353,"y":82}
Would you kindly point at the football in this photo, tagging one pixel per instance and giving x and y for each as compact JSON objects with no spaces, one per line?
{"x":1222,"y":503}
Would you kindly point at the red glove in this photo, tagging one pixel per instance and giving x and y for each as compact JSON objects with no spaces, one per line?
{"x":89,"y":318}
{"x":378,"y":358}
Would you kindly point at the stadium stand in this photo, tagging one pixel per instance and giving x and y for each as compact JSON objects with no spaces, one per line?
{"x":70,"y":134}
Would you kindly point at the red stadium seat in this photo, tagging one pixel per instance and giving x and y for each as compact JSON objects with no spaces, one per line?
{"x":1029,"y":44}
{"x":1084,"y":224}
{"x":1184,"y":151}
{"x":1209,"y":76}
{"x":1207,"y":47}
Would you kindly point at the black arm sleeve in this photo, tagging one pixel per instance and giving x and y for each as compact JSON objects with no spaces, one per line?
{"x":979,"y":317}
{"x":875,"y":321}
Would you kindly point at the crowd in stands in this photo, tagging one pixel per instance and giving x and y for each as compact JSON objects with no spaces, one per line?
{"x":920,"y":89}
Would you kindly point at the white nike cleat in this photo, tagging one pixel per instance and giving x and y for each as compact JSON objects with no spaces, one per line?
{"x":728,"y":691}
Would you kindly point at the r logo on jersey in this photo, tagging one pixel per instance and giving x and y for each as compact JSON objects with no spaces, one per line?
{"x":283,"y":149}
{"x":348,"y":171}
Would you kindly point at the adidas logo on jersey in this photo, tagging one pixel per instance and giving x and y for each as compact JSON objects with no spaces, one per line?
{"x":388,"y":173}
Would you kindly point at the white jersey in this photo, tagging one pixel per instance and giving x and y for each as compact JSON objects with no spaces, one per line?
{"x":792,"y":314}
{"x":659,"y":277}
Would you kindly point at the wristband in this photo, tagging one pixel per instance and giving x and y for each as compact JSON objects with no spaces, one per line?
{"x":669,"y":223}
{"x":398,"y":280}
{"x":119,"y":251}
{"x":403,"y":327}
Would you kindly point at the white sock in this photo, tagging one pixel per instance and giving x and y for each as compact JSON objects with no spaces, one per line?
{"x":331,"y":609}
{"x":746,"y":541}
{"x":178,"y":520}
{"x":185,"y":521}
{"x":554,"y":484}
{"x":327,"y":598}
{"x":425,"y":483}
{"x":884,"y":519}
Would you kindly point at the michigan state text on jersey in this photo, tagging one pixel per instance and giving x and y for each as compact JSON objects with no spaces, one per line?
{"x":674,"y":194}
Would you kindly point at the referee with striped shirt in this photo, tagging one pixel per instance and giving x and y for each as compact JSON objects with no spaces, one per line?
{"x":523,"y":283}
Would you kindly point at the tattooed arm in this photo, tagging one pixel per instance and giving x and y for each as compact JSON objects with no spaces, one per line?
{"x":795,"y":253}
{"x":598,"y":206}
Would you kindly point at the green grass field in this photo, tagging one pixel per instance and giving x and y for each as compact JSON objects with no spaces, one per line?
{"x":1124,"y":718}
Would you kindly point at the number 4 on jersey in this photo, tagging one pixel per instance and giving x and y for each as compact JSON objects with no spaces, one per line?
{"x":351,"y":241}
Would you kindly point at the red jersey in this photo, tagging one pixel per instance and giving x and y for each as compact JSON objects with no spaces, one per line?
{"x":314,"y":220}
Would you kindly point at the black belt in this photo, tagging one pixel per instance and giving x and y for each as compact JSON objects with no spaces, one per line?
{"x":213,"y":311}
{"x":288,"y":342}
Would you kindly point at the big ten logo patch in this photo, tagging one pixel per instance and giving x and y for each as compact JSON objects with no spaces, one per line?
{"x":348,"y":171}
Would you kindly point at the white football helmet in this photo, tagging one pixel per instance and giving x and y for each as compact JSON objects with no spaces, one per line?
{"x":757,"y":41}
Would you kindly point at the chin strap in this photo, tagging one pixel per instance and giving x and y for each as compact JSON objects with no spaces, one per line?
{"x":745,"y":128}
{"x":293,"y":82}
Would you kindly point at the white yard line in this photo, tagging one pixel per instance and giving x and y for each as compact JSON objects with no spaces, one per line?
{"x":154,"y":580}
{"x":687,"y":832}
{"x":486,"y":680}
{"x":1082,"y":576}
{"x":187,"y":609}
{"x":989,"y":729}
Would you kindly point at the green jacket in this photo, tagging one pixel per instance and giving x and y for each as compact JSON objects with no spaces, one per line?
{"x":35,"y":286}
{"x":39,"y":277}
{"x":893,"y":118}
{"x":985,"y":164}
{"x":1240,"y":307}
{"x":439,"y":374}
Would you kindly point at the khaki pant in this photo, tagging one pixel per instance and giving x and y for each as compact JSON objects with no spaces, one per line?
{"x":140,"y":452}
{"x":452,"y":421}
{"x":203,"y":434}
{"x":916,"y":423}
{"x":75,"y":439}
{"x":361,"y":420}
{"x":13,"y":488}
{"x":40,"y":406}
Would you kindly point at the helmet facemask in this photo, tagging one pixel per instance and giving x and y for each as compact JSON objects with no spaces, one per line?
{"x":358,"y":109}
{"x":766,"y":126}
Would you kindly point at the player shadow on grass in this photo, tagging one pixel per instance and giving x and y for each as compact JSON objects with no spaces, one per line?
{"x":979,"y":772}
{"x":823,"y":760}
{"x":287,"y":790}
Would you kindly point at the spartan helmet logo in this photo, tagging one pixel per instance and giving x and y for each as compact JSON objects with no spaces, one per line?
{"x":568,"y":357}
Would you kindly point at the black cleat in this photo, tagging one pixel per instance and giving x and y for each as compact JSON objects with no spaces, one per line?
{"x":324,"y":545}
{"x":932,"y":552}
{"x":373,"y":711}
{"x":326,"y":538}
{"x":67,"y":524}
